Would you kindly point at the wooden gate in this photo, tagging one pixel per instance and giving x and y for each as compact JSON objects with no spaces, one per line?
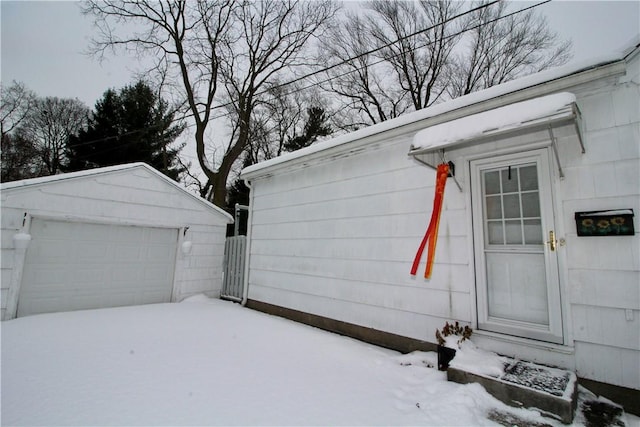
{"x":233,"y":281}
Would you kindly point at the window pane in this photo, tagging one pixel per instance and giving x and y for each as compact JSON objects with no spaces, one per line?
{"x":532,"y":232}
{"x":531,"y":205}
{"x":528,"y":178}
{"x":517,"y":287}
{"x":491,"y":182}
{"x":511,"y":206}
{"x":509,"y":180}
{"x":494,"y":207}
{"x":494,"y":229}
{"x":513,"y":231}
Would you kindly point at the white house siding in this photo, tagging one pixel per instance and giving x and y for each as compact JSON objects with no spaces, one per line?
{"x":334,"y":233}
{"x":337,"y":239}
{"x":134,"y":195}
{"x":600,"y":276}
{"x":604,"y":272}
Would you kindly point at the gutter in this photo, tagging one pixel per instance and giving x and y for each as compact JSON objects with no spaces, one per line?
{"x":497,"y":96}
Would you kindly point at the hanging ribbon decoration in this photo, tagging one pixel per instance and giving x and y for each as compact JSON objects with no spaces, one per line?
{"x":432,"y":232}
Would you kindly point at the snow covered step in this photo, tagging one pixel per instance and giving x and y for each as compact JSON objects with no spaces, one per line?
{"x":524,"y":384}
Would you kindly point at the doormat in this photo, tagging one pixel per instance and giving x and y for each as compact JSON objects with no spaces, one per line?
{"x":552,"y":381}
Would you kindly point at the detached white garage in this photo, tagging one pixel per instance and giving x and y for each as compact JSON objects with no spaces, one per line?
{"x":117,"y":236}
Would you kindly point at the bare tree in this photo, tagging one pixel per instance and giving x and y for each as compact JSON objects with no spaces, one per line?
{"x":279,"y":119}
{"x":16,"y":102}
{"x":49,"y":125}
{"x":185,"y":40}
{"x":20,"y":158}
{"x":501,"y":46}
{"x":389,"y":64}
{"x":416,"y":61}
{"x":400,"y":56}
{"x":19,"y":155}
{"x":357,"y":81}
{"x":239,"y":46}
{"x":270,"y":38}
{"x":35,"y":131}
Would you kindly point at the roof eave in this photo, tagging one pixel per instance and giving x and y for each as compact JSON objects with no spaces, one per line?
{"x":497,"y":96}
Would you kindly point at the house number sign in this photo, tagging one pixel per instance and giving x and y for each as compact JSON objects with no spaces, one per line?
{"x":617,"y":222}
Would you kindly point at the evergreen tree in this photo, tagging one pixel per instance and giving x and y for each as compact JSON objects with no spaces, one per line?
{"x":132,"y":125}
{"x":315,"y":127}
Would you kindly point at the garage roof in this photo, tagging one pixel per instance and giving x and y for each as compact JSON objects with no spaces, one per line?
{"x":45,"y":180}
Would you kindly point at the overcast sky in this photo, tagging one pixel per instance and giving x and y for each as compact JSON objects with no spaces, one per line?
{"x":43,"y":43}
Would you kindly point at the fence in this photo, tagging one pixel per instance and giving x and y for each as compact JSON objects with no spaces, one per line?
{"x":233,"y":281}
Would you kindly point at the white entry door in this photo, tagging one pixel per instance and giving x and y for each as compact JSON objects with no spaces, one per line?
{"x":518,"y":291}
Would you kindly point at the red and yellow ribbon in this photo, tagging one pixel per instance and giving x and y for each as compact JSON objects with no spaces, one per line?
{"x":432,"y":232}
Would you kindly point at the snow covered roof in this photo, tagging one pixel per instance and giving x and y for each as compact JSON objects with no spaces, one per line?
{"x":16,"y":185}
{"x":71,"y":175}
{"x":465,"y":101}
{"x":542,"y":111}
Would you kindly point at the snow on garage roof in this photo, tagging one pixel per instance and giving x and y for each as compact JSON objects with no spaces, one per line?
{"x":71,"y":175}
{"x":15,"y":185}
{"x":539,"y":111}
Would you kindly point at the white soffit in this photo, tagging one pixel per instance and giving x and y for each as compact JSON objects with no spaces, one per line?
{"x":534,"y":113}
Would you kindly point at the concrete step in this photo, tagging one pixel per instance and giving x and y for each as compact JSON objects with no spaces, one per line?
{"x":593,"y":411}
{"x":553,"y":391}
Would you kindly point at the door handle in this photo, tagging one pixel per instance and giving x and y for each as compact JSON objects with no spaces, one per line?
{"x":552,"y":241}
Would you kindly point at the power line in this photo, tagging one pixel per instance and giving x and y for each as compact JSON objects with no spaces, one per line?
{"x":374,"y":50}
{"x":346,"y":61}
{"x":322,"y":70}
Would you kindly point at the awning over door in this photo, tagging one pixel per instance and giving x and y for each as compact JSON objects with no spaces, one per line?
{"x":545,"y":112}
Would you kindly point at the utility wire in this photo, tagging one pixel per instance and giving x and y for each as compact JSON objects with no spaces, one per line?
{"x":343,"y":62}
{"x":354,"y":69}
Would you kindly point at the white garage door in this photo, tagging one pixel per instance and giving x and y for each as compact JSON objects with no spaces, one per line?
{"x":75,"y":266}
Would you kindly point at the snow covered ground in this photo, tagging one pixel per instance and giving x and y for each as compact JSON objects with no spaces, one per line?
{"x":211,"y":362}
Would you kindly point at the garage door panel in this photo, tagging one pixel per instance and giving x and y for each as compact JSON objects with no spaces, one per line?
{"x":49,"y":252}
{"x":88,"y":251}
{"x":129,"y":234}
{"x":41,"y":228}
{"x":155,"y":297}
{"x":88,"y":301}
{"x":161,"y":238}
{"x":43,"y":305}
{"x":72,"y":266}
{"x":158,"y":252}
{"x":88,"y":275}
{"x":94,"y":233}
{"x":127,"y":275}
{"x":128,"y":253}
{"x":122,"y":300}
{"x":44,"y":275}
{"x":57,"y":277}
{"x":156,"y":273}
